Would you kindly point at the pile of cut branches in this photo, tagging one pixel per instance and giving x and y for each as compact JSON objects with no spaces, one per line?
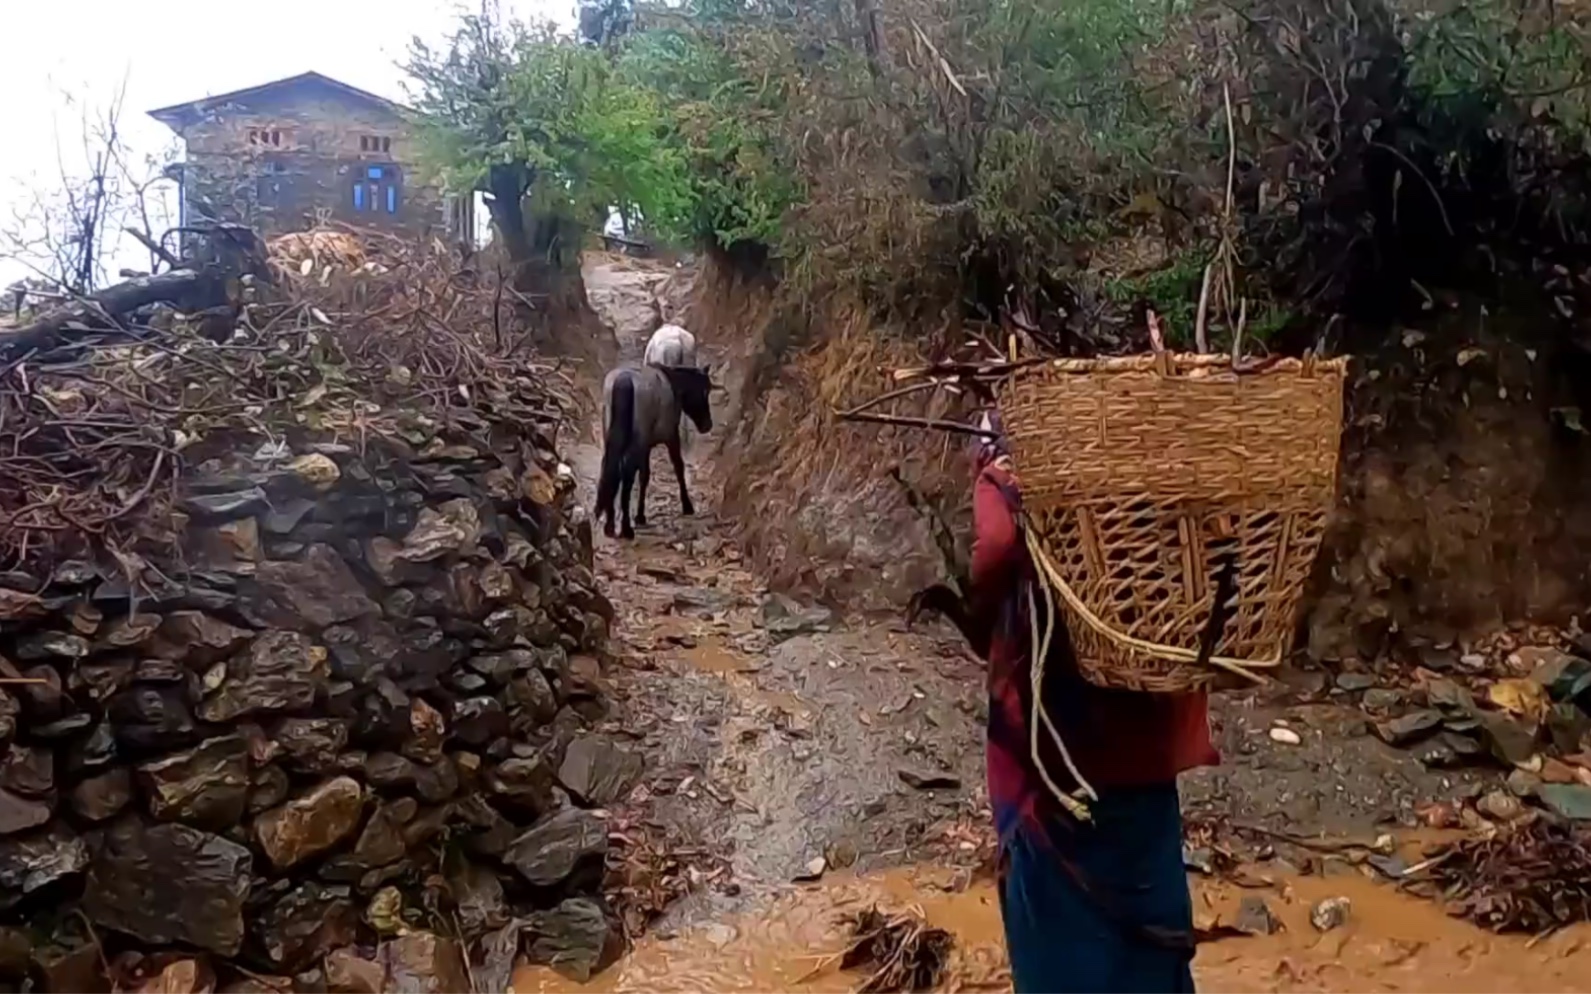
{"x":899,"y":952}
{"x":1534,"y":877}
{"x":107,"y":405}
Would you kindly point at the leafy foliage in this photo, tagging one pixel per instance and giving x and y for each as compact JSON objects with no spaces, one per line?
{"x":931,"y":155}
{"x":577,"y":135}
{"x":724,"y":126}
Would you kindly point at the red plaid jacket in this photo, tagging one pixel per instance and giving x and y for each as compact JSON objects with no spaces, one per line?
{"x":1116,"y":738}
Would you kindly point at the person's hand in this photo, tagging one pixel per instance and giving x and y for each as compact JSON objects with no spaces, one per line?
{"x":1007,"y":470}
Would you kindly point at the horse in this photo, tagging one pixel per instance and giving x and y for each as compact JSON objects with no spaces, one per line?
{"x":671,"y":345}
{"x":641,"y":409}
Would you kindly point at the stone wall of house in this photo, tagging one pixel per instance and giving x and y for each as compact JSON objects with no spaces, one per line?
{"x":285,"y":161}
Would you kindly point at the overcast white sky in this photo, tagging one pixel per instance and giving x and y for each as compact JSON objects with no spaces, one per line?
{"x":171,"y":51}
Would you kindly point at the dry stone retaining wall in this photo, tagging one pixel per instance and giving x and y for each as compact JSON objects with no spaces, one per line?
{"x":341,"y":717}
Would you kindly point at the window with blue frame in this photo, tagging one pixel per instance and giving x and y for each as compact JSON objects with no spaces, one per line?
{"x":377,"y":190}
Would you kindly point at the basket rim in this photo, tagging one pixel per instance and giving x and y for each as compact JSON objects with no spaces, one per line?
{"x":1180,"y":361}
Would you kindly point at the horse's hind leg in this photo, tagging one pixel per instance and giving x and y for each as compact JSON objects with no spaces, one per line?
{"x":678,"y":459}
{"x":645,"y":473}
{"x":626,"y":530}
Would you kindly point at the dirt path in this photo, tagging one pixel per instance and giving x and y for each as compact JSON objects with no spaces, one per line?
{"x":775,"y":737}
{"x":785,"y":744}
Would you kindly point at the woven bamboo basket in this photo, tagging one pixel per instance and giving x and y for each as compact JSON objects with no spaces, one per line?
{"x":1142,"y":475}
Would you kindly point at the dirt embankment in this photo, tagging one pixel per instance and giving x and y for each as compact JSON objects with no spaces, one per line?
{"x":1462,"y":490}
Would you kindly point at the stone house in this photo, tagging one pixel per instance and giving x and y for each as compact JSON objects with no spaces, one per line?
{"x":298,"y":151}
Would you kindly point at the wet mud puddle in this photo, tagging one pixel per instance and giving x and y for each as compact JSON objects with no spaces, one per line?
{"x":1391,"y":942}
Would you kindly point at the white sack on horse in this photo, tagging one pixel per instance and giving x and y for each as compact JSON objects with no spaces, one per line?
{"x":671,"y":345}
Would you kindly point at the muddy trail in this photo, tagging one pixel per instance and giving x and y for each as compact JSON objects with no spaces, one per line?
{"x":800,"y":765}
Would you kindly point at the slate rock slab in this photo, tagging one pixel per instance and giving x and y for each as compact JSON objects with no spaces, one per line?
{"x":311,"y":593}
{"x":575,"y":938}
{"x":599,"y":771}
{"x":423,"y":963}
{"x":548,"y":852}
{"x":311,"y":824}
{"x":28,"y":862}
{"x":207,"y":787}
{"x":279,"y":671}
{"x":169,"y":883}
{"x":306,"y":922}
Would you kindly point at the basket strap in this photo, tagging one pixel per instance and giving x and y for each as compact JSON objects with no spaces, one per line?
{"x":1051,"y":576}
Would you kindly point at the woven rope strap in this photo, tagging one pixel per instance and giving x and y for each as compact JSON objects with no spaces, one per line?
{"x":1051,"y":576}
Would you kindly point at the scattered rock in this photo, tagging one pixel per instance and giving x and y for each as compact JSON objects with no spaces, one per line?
{"x":1254,"y":917}
{"x":436,"y":782}
{"x":478,"y":897}
{"x":306,"y":922}
{"x":523,"y":785}
{"x":152,"y":718}
{"x":77,"y":968}
{"x":783,"y":618}
{"x":169,"y":883}
{"x":576,"y":938}
{"x":452,"y":528}
{"x":1522,"y":783}
{"x":207,"y":787}
{"x":1410,"y":728}
{"x":1330,"y":913}
{"x":1500,"y":805}
{"x":382,"y":840}
{"x":427,"y":732}
{"x":52,"y":645}
{"x":1381,"y":700}
{"x":931,"y":781}
{"x":310,"y":824}
{"x":279,"y":671}
{"x":1355,"y":682}
{"x":315,"y":469}
{"x":1286,"y":736}
{"x":423,"y":963}
{"x":531,"y":691}
{"x":1567,"y":726}
{"x":1201,"y":859}
{"x":101,"y":797}
{"x":1509,"y":739}
{"x":812,"y":871}
{"x":1449,"y":696}
{"x":317,"y":591}
{"x":349,"y":973}
{"x":197,"y":638}
{"x":28,"y":862}
{"x":312,"y":744}
{"x":550,"y":850}
{"x":1572,"y":801}
{"x":388,"y":770}
{"x":599,"y":771}
{"x":18,"y":813}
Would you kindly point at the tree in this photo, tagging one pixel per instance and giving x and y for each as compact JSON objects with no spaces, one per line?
{"x":71,"y":235}
{"x":543,"y":126}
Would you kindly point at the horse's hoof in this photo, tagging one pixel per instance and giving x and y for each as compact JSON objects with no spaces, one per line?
{"x":640,"y":522}
{"x":607,"y":530}
{"x":627,"y":532}
{"x":689,"y":510}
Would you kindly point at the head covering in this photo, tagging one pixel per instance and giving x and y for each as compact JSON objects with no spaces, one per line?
{"x":985,"y":449}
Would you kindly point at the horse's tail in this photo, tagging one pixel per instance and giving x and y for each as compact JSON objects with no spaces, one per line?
{"x":617,"y":440}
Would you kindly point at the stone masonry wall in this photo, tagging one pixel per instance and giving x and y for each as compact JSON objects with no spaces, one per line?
{"x":354,"y":724}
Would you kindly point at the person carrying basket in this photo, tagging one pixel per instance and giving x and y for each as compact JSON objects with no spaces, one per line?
{"x":1083,"y":781}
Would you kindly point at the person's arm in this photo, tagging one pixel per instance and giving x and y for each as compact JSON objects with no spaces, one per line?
{"x":996,"y":542}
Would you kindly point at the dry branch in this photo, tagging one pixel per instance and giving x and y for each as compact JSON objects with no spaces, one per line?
{"x":356,"y":340}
